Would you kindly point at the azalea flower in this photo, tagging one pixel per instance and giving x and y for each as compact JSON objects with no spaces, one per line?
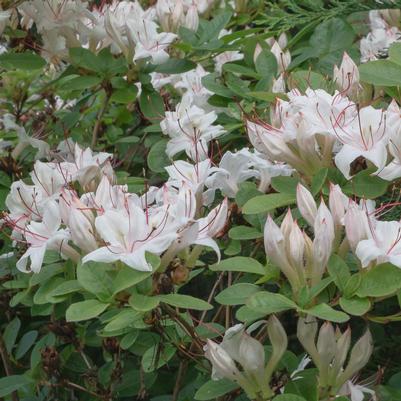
{"x":128,"y":236}
{"x":190,"y":130}
{"x":382,"y":245}
{"x":346,"y":77}
{"x":357,"y":392}
{"x":366,"y":136}
{"x":234,"y":168}
{"x":45,"y":235}
{"x":172,"y":14}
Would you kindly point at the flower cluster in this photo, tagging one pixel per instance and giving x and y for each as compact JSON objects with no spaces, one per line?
{"x":102,"y":221}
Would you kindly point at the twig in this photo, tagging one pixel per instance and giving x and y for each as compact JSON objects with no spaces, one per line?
{"x":7,"y":368}
{"x":180,"y":375}
{"x":98,"y":123}
{"x":211,"y":296}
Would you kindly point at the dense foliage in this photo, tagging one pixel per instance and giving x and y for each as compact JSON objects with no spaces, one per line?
{"x":200,"y":200}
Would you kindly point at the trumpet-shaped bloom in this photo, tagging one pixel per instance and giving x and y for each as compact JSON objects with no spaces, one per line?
{"x":45,"y":235}
{"x":383,"y":244}
{"x":128,"y":236}
{"x":366,"y":136}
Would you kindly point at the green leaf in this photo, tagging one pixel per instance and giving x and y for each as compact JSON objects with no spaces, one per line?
{"x":5,"y":180}
{"x":93,"y":277}
{"x":151,"y":104}
{"x":265,"y":96}
{"x":380,"y":281}
{"x":269,"y":302}
{"x":266,"y":64}
{"x":303,"y":80}
{"x":332,"y":35}
{"x":21,"y":61}
{"x":267,"y":203}
{"x":318,"y":180}
{"x":26,"y":342}
{"x":143,"y":303}
{"x":214,"y":389}
{"x":239,"y":264}
{"x":11,"y":333}
{"x":124,"y":95}
{"x":394,"y":53}
{"x":157,"y":157}
{"x":288,"y":397}
{"x":85,"y":310}
{"x":285,"y":184}
{"x":185,"y":301}
{"x":355,"y":306}
{"x":12,"y":383}
{"x":126,"y":318}
{"x":81,"y":83}
{"x":365,"y":185}
{"x":175,"y":66}
{"x":47,"y":340}
{"x":212,"y":28}
{"x":66,"y":287}
{"x":211,"y":82}
{"x":339,"y":270}
{"x":240,"y":69}
{"x":381,"y":73}
{"x":128,"y":277}
{"x":326,"y":312}
{"x":237,"y":294}
{"x":244,"y":233}
{"x":154,"y":357}
{"x":43,"y":294}
{"x":84,"y":58}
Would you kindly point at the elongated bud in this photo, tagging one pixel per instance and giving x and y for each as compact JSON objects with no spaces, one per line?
{"x":278,"y":84}
{"x":326,"y":347}
{"x":287,"y":224}
{"x":251,"y":354}
{"x":297,"y":246}
{"x":306,"y":333}
{"x":177,"y":15}
{"x":356,"y":225}
{"x":337,"y":202}
{"x":279,"y":341}
{"x":82,"y":231}
{"x":342,"y":348}
{"x":306,"y":204}
{"x":359,"y":357}
{"x":223,"y":365}
{"x":323,"y":242}
{"x":192,"y":18}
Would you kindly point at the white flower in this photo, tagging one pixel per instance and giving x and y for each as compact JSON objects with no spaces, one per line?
{"x":148,"y":42}
{"x":45,"y":235}
{"x":347,"y":76}
{"x":383,"y":244}
{"x":357,"y":392}
{"x":283,"y":58}
{"x":190,"y":130}
{"x":234,"y":168}
{"x":366,"y":136}
{"x":128,"y":235}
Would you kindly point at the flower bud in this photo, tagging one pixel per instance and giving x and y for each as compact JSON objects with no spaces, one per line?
{"x":192,"y":18}
{"x":337,"y":202}
{"x":359,"y":357}
{"x":306,"y":204}
{"x":306,"y":333}
{"x":279,"y":341}
{"x":82,"y":231}
{"x":297,"y":247}
{"x":356,"y":225}
{"x":223,"y":365}
{"x":251,"y":354}
{"x":326,"y":347}
{"x":342,"y":348}
{"x":278,"y":84}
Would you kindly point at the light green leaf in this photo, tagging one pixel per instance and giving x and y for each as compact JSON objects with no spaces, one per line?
{"x":269,"y":302}
{"x":185,"y":301}
{"x":85,"y":310}
{"x":81,"y":83}
{"x":11,"y":333}
{"x":355,"y":306}
{"x":381,"y":73}
{"x":380,"y":281}
{"x":214,"y":389}
{"x":239,"y":264}
{"x":21,"y":61}
{"x":157,"y":158}
{"x":143,"y":303}
{"x":326,"y":312}
{"x":126,"y":318}
{"x":244,"y":233}
{"x":26,"y":342}
{"x":267,"y":203}
{"x":128,"y":277}
{"x":12,"y":383}
{"x":93,"y":277}
{"x":154,"y":359}
{"x":288,"y":397}
{"x":237,"y":294}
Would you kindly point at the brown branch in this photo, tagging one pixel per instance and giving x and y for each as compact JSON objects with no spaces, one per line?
{"x":7,"y":368}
